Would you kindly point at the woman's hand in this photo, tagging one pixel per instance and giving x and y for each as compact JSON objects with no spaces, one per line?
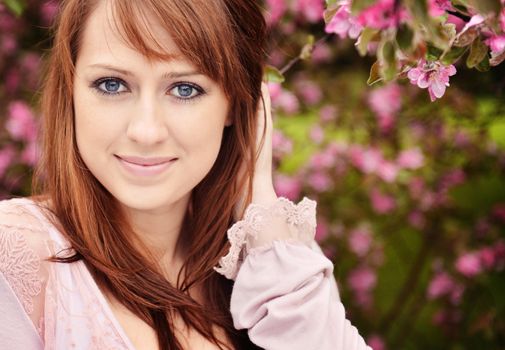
{"x":263,"y":189}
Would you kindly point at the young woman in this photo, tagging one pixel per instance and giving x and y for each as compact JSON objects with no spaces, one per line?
{"x":155,"y":182}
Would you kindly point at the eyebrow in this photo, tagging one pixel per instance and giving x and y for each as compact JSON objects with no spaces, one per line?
{"x":169,"y":75}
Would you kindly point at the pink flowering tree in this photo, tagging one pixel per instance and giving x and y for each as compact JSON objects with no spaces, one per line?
{"x":411,"y":194}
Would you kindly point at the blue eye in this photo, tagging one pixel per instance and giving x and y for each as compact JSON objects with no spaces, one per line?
{"x":186,"y":91}
{"x":110,"y":86}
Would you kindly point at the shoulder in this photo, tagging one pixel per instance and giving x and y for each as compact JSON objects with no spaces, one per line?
{"x":24,"y":249}
{"x":22,"y":224}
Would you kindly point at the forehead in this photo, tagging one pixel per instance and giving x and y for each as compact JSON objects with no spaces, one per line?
{"x":105,"y":36}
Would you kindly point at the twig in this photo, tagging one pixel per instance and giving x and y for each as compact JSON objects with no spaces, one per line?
{"x":295,"y":60}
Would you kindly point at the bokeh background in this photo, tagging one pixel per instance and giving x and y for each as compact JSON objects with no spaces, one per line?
{"x":411,"y":193}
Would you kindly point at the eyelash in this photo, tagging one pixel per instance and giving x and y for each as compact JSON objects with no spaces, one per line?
{"x":96,"y":86}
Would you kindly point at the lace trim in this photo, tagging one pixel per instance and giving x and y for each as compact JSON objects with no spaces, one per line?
{"x":302,"y":217}
{"x":20,"y":266}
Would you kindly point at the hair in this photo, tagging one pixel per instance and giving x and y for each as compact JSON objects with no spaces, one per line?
{"x":91,"y":218}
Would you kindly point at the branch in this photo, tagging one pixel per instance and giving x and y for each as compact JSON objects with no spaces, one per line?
{"x":295,"y":60}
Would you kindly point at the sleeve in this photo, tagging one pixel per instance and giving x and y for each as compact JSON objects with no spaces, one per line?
{"x":23,"y":276}
{"x":284,"y":291}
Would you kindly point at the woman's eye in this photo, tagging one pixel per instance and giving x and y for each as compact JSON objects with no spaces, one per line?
{"x":110,"y":86}
{"x":186,"y":91}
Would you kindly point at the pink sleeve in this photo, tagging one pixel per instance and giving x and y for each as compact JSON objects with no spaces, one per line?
{"x":23,"y":276}
{"x":284,"y":291}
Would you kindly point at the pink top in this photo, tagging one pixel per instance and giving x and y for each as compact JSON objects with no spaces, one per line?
{"x":284,"y":291}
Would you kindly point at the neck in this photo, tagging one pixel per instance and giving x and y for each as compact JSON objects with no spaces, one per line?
{"x":160,"y":230}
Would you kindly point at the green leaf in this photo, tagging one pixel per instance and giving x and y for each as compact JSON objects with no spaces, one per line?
{"x":486,"y":7}
{"x":453,"y":55}
{"x":273,"y":75}
{"x":331,"y":2}
{"x":358,"y":5}
{"x":375,"y":75}
{"x":330,"y":11}
{"x":365,"y":37}
{"x":387,"y":59}
{"x":404,"y":37}
{"x":484,"y":65}
{"x":478,"y":51}
{"x":434,"y":53}
{"x":16,"y":6}
{"x":497,"y":132}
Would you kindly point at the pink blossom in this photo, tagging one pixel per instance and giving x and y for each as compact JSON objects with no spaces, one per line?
{"x":496,"y":43}
{"x":48,"y":11}
{"x":288,"y":102}
{"x":432,"y":75}
{"x":382,"y":15}
{"x":416,"y":219}
{"x":281,"y":144}
{"x":21,"y":122}
{"x":387,"y":171}
{"x":328,"y":114}
{"x":319,"y":181}
{"x":487,"y":257}
{"x":286,"y":186}
{"x":322,"y":160}
{"x":311,"y":10}
{"x":362,"y":279}
{"x":410,"y":159}
{"x":7,"y":155}
{"x":376,"y":342}
{"x":469,"y":264}
{"x":360,"y":241}
{"x":309,"y":91}
{"x":276,"y":9}
{"x":385,"y":102}
{"x":343,"y":24}
{"x":316,"y":134}
{"x":441,"y":284}
{"x":381,"y":203}
{"x":437,"y":8}
{"x":366,"y":160}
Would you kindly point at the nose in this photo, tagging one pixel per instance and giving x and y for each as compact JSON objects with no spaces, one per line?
{"x":147,"y":125}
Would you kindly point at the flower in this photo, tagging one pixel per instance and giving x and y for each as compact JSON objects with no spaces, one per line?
{"x":289,"y":187}
{"x":21,"y":122}
{"x":362,"y":279}
{"x":360,"y":241}
{"x":311,"y":10}
{"x":432,"y":75}
{"x":441,"y":284}
{"x":410,"y":159}
{"x":381,"y":203}
{"x":277,"y":8}
{"x":382,"y":15}
{"x":343,"y":24}
{"x":469,"y":264}
{"x":385,"y":102}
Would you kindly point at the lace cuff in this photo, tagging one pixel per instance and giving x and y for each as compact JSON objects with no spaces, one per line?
{"x":301,"y":220}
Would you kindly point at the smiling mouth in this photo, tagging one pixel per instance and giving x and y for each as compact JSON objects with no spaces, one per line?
{"x":141,"y":166}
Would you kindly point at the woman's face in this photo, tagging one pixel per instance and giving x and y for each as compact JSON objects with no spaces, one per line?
{"x":148,"y":131}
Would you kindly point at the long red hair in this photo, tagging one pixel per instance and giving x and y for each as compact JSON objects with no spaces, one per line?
{"x":225,"y":39}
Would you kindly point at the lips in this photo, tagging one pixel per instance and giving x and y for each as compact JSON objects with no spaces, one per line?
{"x":146,"y":161}
{"x":145,"y":167}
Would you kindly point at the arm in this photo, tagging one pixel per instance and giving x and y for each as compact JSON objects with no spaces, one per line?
{"x":284,"y":290}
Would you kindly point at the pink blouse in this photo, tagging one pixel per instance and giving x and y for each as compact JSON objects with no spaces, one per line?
{"x":284,"y":291}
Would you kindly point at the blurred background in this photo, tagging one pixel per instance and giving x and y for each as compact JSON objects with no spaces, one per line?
{"x":411,"y":193}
